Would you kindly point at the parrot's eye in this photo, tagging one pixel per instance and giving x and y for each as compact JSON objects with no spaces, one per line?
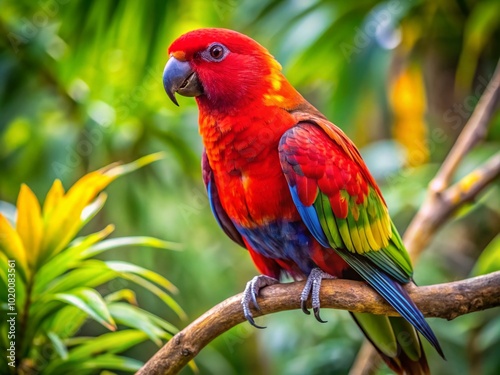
{"x":215,"y":52}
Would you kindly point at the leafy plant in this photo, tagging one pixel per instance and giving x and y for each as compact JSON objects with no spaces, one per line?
{"x":48,"y":282}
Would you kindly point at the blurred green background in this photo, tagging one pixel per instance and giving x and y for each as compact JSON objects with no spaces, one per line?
{"x":80,"y":87}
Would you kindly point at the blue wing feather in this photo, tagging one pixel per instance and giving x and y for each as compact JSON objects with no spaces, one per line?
{"x":310,"y":217}
{"x":215,"y":205}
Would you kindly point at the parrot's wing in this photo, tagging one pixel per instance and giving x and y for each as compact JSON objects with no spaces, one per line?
{"x":343,"y":208}
{"x":338,"y":198}
{"x":213,"y":197}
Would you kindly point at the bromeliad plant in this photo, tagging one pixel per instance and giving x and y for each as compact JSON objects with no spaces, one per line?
{"x":48,"y":282}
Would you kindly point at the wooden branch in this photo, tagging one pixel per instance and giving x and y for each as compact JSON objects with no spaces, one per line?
{"x":443,"y":301}
{"x":471,"y":185}
{"x":437,"y":208}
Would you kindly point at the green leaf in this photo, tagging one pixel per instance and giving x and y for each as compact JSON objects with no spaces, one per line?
{"x":489,"y":260}
{"x":91,"y":302}
{"x":119,"y":170}
{"x":91,"y":364}
{"x":125,"y":267}
{"x":479,"y":28}
{"x":489,"y":337}
{"x":114,"y":342}
{"x":67,"y":259}
{"x":93,"y":208}
{"x":169,"y":301}
{"x":130,"y":241}
{"x":58,"y":345}
{"x":67,"y":321}
{"x":123,"y":294}
{"x":162,"y":323}
{"x":114,"y":362}
{"x":134,"y":317}
{"x":90,"y":274}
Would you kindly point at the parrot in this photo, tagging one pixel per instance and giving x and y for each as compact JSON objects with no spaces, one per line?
{"x":289,"y":186}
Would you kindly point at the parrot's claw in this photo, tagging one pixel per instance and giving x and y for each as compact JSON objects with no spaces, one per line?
{"x":313,"y":285}
{"x":250,"y":295}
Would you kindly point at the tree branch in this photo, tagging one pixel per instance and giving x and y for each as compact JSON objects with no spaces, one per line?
{"x":442,"y":301}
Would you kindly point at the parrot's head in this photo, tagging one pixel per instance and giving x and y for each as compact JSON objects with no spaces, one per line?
{"x":220,"y":67}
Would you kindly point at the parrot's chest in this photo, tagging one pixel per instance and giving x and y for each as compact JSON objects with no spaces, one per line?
{"x":255,"y":192}
{"x":247,"y":170}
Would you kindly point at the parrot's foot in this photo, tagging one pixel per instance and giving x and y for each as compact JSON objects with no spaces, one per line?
{"x":312,"y":288}
{"x":250,"y":295}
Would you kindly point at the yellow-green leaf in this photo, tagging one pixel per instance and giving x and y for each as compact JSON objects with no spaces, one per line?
{"x":114,"y":342}
{"x":91,"y":302}
{"x":131,"y":241}
{"x":53,"y":197}
{"x":489,"y":260}
{"x":135,"y":317}
{"x":29,"y":224}
{"x":125,"y":267}
{"x":122,"y":294}
{"x":67,"y":259}
{"x":64,"y":222}
{"x":168,"y":300}
{"x":12,"y":245}
{"x":121,"y":169}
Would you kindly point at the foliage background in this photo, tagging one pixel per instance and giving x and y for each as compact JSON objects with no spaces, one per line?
{"x":80,"y":87}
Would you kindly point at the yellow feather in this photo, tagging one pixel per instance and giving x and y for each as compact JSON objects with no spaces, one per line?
{"x":376,"y":233}
{"x":372,"y":243}
{"x":362,"y":237}
{"x":346,"y":235}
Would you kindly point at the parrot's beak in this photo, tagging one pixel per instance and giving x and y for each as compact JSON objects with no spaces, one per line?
{"x":179,"y":77}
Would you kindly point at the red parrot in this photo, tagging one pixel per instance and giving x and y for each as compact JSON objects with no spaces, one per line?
{"x":290,"y":187}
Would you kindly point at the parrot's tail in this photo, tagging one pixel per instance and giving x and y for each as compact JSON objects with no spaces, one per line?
{"x":396,"y":341}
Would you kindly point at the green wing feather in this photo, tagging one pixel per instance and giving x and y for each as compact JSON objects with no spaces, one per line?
{"x":366,"y":230}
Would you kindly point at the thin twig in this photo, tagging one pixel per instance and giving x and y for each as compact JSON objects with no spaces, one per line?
{"x":444,"y":301}
{"x":471,"y":185}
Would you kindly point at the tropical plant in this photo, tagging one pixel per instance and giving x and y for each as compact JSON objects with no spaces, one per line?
{"x":49,"y":278}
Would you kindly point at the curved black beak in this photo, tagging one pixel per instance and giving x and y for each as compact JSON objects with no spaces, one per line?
{"x":179,"y":77}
